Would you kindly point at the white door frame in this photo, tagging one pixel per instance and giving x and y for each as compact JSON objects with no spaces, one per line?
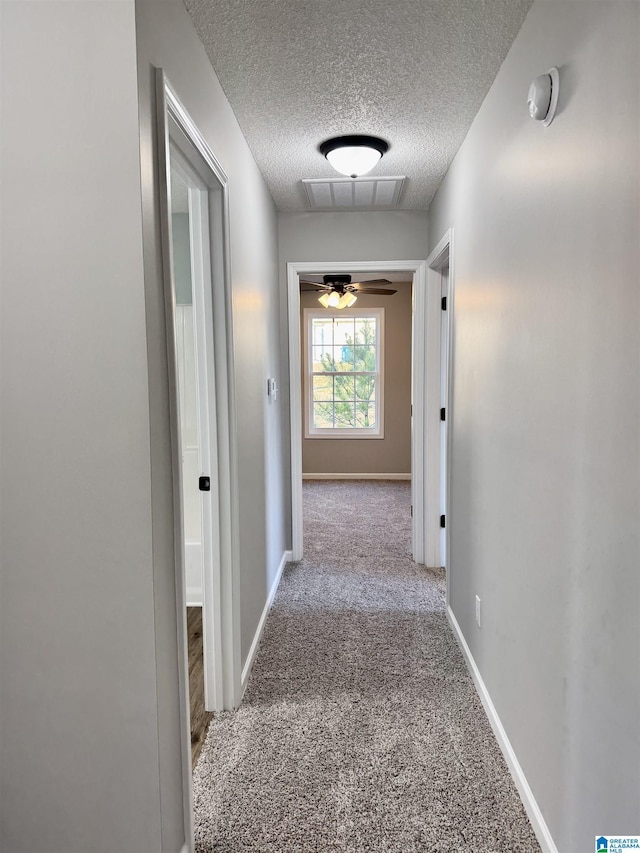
{"x":220,"y":587}
{"x":442,"y":257}
{"x":425,"y":395}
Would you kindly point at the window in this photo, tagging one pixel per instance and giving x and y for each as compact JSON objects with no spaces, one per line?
{"x":343,"y":373}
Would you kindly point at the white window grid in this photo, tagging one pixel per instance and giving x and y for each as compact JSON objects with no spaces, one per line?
{"x":357,"y":432}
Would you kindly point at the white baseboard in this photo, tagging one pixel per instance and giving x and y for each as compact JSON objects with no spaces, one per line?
{"x":356,"y":476}
{"x":246,"y":669}
{"x":194,"y":597}
{"x":526,"y":794}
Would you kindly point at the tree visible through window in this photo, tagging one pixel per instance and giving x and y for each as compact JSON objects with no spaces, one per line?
{"x":343,"y":380}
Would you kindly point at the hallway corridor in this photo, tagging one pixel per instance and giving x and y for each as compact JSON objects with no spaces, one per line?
{"x":360,"y":729}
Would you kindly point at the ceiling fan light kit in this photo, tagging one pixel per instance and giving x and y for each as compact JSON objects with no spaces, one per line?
{"x":353,"y":155}
{"x":340,"y":292}
{"x":333,"y":300}
{"x":347,"y":300}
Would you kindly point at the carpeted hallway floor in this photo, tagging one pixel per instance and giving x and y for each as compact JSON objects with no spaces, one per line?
{"x":360,"y":729}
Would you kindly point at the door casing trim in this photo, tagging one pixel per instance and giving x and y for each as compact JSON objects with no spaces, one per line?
{"x":224,"y":586}
{"x":425,"y":384}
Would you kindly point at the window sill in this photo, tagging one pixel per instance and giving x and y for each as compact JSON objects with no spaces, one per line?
{"x":350,"y":435}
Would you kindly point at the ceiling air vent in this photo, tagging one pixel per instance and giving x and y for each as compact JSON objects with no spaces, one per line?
{"x":353,"y":193}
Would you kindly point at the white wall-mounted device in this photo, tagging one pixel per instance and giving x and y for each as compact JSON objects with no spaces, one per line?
{"x":543,"y":96}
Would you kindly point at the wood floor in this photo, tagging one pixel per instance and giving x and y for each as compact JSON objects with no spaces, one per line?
{"x":199,"y":717}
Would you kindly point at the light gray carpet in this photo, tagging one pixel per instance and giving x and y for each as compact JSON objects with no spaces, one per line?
{"x":360,"y":729}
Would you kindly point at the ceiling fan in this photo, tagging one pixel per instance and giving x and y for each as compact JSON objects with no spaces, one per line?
{"x":338,"y":291}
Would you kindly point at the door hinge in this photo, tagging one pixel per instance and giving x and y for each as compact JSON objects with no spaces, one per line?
{"x":442,"y":521}
{"x":443,"y":414}
{"x":411,"y":510}
{"x":444,"y":303}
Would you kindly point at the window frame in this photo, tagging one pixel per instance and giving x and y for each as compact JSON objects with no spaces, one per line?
{"x":360,"y":433}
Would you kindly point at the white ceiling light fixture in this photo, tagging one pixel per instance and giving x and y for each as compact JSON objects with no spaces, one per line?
{"x":353,"y":155}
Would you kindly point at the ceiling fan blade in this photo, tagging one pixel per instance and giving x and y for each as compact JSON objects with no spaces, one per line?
{"x":381,"y":291}
{"x":370,"y":281}
{"x":313,"y":285}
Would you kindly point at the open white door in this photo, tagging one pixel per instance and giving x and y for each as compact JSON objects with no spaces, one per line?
{"x":444,"y":414}
{"x":197,"y":404}
{"x":441,"y":280}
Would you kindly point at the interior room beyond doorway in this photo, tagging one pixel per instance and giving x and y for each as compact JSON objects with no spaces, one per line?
{"x":356,"y":382}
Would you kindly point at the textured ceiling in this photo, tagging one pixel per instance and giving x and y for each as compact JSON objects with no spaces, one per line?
{"x":412,"y":71}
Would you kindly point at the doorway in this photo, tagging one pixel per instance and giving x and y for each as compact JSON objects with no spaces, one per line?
{"x":444,"y":399}
{"x":189,"y":225}
{"x":425,"y":395}
{"x":193,"y":196}
{"x":440,"y":278}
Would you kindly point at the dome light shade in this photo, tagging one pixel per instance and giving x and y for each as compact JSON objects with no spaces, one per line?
{"x":355,"y":161}
{"x":347,"y":300}
{"x":354,"y":155}
{"x":336,"y":300}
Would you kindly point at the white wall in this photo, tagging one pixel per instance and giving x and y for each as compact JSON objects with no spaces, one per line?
{"x":544,"y":517}
{"x":78,"y":709}
{"x":343,"y":236}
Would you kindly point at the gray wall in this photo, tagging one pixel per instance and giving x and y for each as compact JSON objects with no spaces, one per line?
{"x":90,"y":737}
{"x":391,"y":454}
{"x":544,"y":517}
{"x":79,"y":735}
{"x":344,"y":236}
{"x":352,"y":236}
{"x":167,"y":39}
